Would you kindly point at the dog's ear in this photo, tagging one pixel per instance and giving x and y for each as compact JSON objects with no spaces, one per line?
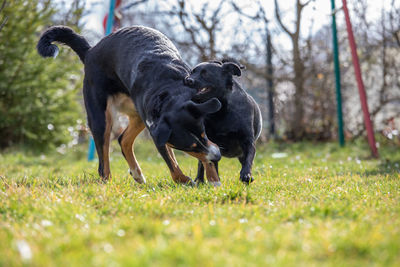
{"x":161,"y":132}
{"x":208,"y":107}
{"x":232,"y":60}
{"x":231,"y":68}
{"x":216,"y":61}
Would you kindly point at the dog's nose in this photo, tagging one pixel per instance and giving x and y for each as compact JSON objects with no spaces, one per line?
{"x":189,"y":81}
{"x":213,"y":153}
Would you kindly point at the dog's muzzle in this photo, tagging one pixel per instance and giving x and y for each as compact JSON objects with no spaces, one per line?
{"x":189,"y":81}
{"x":213,"y":152}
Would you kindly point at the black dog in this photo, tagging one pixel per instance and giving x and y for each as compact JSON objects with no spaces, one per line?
{"x":140,"y":72}
{"x":237,"y":125}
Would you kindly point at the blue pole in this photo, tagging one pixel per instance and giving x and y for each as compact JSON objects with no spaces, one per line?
{"x":109,"y":26}
{"x":91,"y":150}
{"x":110,"y":19}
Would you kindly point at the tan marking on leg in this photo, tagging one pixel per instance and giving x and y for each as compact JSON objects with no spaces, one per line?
{"x":176,"y":172}
{"x":211,"y":172}
{"x":172,"y":157}
{"x":124,"y":104}
{"x":135,"y":126}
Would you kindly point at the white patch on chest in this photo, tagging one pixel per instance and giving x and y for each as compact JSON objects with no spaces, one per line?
{"x":149,"y":123}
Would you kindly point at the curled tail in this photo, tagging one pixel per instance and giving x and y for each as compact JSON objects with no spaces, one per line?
{"x":64,"y":35}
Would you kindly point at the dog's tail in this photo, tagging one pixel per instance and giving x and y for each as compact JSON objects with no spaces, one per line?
{"x":64,"y":35}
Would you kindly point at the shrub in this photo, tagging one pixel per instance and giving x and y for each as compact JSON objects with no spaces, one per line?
{"x":38,"y":97}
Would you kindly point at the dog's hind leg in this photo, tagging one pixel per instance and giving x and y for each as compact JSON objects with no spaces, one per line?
{"x":100,"y":124}
{"x":126,"y":141}
{"x":101,"y":130}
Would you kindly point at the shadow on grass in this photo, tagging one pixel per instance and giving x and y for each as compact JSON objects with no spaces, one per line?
{"x":387,"y":167}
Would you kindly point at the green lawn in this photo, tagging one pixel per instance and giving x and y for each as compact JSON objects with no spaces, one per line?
{"x":319,"y":205}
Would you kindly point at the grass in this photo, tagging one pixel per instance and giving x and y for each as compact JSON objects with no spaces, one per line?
{"x":318,"y":205}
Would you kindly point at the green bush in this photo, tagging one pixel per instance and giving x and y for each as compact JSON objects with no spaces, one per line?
{"x":38,"y":97}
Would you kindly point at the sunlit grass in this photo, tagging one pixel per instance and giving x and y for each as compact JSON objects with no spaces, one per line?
{"x":315,"y":205}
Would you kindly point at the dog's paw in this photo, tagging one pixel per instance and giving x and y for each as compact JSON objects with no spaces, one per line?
{"x":190,"y":182}
{"x":199,"y":181}
{"x":246,"y":178}
{"x":138,"y":177}
{"x":216,"y":184}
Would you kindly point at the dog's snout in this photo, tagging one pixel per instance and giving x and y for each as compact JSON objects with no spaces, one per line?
{"x":213,"y":153}
{"x":189,"y":81}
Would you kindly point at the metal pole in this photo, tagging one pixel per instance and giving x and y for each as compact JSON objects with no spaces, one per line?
{"x":337,"y":76}
{"x":361,"y":89}
{"x":91,"y":149}
{"x":109,"y":26}
{"x":270,"y":86}
{"x":110,"y":18}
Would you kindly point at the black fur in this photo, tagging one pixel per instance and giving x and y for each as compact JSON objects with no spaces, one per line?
{"x":62,"y":35}
{"x":143,"y":64}
{"x":237,"y":125}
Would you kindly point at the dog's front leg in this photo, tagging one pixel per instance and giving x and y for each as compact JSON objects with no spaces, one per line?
{"x":212,"y":173}
{"x":249,"y":152}
{"x":210,"y":167}
{"x":176,"y":173}
{"x":200,"y":173}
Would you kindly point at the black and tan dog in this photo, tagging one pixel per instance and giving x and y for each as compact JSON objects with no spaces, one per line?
{"x":140,"y":72}
{"x":237,"y":125}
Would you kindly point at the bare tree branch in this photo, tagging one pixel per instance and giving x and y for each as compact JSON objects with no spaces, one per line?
{"x":201,"y":24}
{"x":133,"y":4}
{"x":279,"y":19}
{"x":305,"y":4}
{"x":182,"y":15}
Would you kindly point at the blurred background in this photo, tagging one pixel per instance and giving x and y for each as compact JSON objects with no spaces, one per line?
{"x":285,"y":45}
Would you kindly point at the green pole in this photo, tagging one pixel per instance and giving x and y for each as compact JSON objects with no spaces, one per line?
{"x":337,"y":75}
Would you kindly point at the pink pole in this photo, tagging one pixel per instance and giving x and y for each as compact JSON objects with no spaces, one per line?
{"x":361,"y":89}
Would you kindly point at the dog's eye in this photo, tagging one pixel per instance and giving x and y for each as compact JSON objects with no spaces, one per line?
{"x":203,"y":72}
{"x":204,"y":90}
